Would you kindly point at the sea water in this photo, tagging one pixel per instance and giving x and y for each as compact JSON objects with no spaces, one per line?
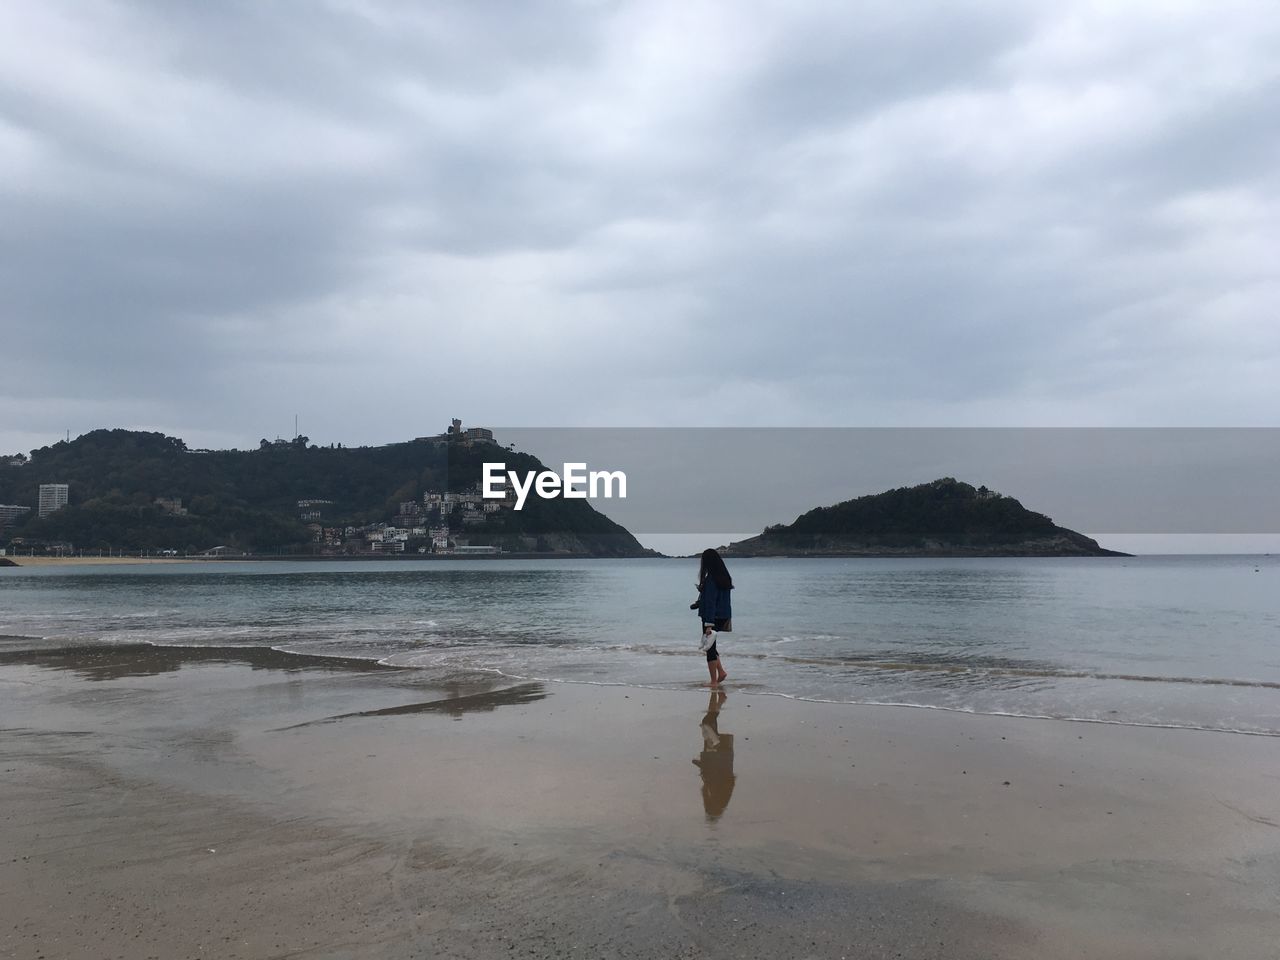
{"x":1170,"y":641}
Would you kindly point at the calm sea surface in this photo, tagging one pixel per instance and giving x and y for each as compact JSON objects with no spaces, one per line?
{"x":1180,"y":641}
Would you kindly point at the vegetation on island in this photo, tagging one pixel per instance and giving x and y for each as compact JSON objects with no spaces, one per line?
{"x":125,"y":488}
{"x":944,"y":518}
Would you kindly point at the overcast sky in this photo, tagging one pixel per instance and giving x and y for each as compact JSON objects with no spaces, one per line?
{"x":379,"y":215}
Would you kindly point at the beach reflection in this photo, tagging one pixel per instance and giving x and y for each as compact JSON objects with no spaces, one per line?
{"x":715,"y":763}
{"x":133,"y":660}
{"x":457,"y":705}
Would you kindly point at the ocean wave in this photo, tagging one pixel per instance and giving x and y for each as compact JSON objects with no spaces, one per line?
{"x":760,"y":691}
{"x":952,"y":668}
{"x":480,"y":659}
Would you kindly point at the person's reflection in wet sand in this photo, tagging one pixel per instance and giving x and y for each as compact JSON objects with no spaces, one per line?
{"x":716,"y":760}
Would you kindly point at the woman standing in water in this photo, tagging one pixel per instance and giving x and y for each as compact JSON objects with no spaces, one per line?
{"x":714,"y":584}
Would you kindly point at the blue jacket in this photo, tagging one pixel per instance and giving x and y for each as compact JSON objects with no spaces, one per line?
{"x":714,"y":603}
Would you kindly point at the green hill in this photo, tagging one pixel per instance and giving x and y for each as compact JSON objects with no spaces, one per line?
{"x":248,"y":500}
{"x":942,"y":518}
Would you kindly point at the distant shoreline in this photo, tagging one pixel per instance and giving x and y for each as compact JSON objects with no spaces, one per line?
{"x":442,"y":557}
{"x":309,"y":558}
{"x":83,"y":561}
{"x":1111,"y":555}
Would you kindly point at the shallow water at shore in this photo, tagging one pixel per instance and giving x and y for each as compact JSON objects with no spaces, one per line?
{"x":1172,"y":641}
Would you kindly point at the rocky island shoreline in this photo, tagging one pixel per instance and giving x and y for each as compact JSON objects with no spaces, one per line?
{"x":945,"y":518}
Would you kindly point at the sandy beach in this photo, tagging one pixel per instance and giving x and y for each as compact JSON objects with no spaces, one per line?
{"x":21,"y":561}
{"x":221,"y":803}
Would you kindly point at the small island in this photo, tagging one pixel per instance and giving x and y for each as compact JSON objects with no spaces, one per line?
{"x":945,"y":518}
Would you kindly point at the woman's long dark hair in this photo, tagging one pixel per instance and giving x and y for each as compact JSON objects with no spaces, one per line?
{"x":713,"y":566}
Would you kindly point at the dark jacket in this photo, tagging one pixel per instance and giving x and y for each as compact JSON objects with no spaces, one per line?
{"x":713,"y":604}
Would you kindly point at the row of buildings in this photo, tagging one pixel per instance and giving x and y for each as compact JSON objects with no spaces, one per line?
{"x":394,"y":538}
{"x":388,"y":538}
{"x":438,"y":524}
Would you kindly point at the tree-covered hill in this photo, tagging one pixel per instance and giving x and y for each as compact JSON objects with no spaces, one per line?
{"x":248,"y":500}
{"x":942,"y":518}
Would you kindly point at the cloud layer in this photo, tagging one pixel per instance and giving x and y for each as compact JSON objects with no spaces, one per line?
{"x":378,"y":215}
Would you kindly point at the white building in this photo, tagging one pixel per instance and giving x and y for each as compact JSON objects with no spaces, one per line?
{"x":53,"y":496}
{"x":10,"y":512}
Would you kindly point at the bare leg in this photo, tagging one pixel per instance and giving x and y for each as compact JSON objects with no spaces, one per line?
{"x":720,"y":670}
{"x":713,"y":667}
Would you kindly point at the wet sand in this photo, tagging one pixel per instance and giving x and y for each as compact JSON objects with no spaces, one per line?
{"x":169,"y":803}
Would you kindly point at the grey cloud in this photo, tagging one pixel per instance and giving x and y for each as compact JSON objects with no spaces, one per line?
{"x":845,"y":68}
{"x":858,"y":217}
